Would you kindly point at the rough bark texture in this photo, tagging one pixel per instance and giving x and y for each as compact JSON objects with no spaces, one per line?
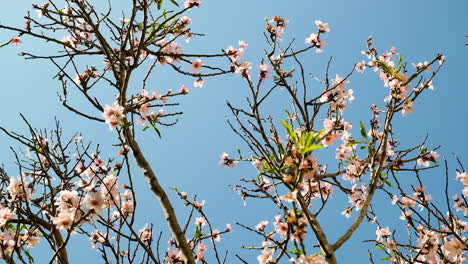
{"x":157,"y":189}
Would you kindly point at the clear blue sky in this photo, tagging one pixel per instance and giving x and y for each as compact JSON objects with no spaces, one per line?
{"x":187,"y":156}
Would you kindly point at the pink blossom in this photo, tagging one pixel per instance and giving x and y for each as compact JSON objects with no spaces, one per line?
{"x":463,"y":177}
{"x":266,"y":256}
{"x":66,"y":218}
{"x":244,"y":67}
{"x":323,"y":27}
{"x":330,"y":139}
{"x":310,"y":167}
{"x":290,"y":197}
{"x":42,"y":9}
{"x":281,"y":228}
{"x":171,"y":48}
{"x":406,"y":215}
{"x":174,"y":256}
{"x":408,"y":202}
{"x":226,"y":161}
{"x":234,"y":54}
{"x":145,"y":234}
{"x":216,"y":235}
{"x":5,"y":215}
{"x":261,"y":226}
{"x":192,"y":3}
{"x":347,"y":211}
{"x":200,"y":221}
{"x":197,"y":65}
{"x":421,"y":66}
{"x":94,"y":201}
{"x":16,"y":41}
{"x":202,"y":247}
{"x":96,"y":237}
{"x":69,"y":41}
{"x":264,"y":70}
{"x":453,"y":249}
{"x":113,"y":114}
{"x":199,"y":82}
{"x":429,"y":157}
{"x":199,"y":205}
{"x":183,"y":89}
{"x":314,"y":39}
{"x":18,"y":189}
{"x":185,"y":20}
{"x":85,"y":35}
{"x":441,"y":59}
{"x":407,"y":107}
{"x":360,"y":66}
{"x":428,"y":85}
{"x":313,"y":259}
{"x":382,"y":233}
{"x":243,"y":44}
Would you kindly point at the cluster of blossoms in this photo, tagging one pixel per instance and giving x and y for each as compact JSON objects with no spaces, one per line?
{"x":290,"y":227}
{"x":427,"y":158}
{"x":83,"y":78}
{"x":235,"y":55}
{"x":276,"y":26}
{"x":463,"y":177}
{"x":392,"y":73}
{"x":94,"y":194}
{"x":114,"y":115}
{"x":10,"y":241}
{"x":79,"y":203}
{"x":432,"y":248}
{"x":333,"y":129}
{"x":82,"y":33}
{"x":171,"y":49}
{"x":143,"y":103}
{"x":337,"y":94}
{"x":315,"y":38}
{"x":290,"y":174}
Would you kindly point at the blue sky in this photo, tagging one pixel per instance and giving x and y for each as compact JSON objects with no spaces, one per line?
{"x":187,"y":156}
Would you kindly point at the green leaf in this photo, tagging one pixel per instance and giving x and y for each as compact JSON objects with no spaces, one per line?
{"x":310,"y":148}
{"x":198,"y":233}
{"x":157,"y":131}
{"x":352,"y":143}
{"x":363,"y":130}
{"x":31,"y":259}
{"x":160,"y":2}
{"x":400,"y":62}
{"x":175,"y":3}
{"x":370,"y":150}
{"x":379,"y":248}
{"x":296,"y":252}
{"x":125,"y":124}
{"x":174,"y":189}
{"x":289,"y":130}
{"x":152,"y":125}
{"x":386,"y":68}
{"x":388,"y":183}
{"x":11,"y":227}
